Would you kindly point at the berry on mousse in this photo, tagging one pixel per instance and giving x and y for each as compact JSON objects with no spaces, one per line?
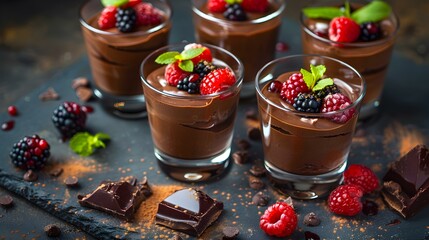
{"x":237,"y":10}
{"x":30,"y":153}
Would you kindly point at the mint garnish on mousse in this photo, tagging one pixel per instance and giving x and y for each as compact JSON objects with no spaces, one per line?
{"x":313,"y":78}
{"x":184,"y":58}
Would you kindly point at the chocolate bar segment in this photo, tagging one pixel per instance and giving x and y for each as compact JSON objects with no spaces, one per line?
{"x":120,"y":198}
{"x":188,"y":210}
{"x":406,"y":183}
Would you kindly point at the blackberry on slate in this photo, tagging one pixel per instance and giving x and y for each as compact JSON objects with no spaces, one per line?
{"x":203,"y":68}
{"x":370,"y":31}
{"x":330,"y":89}
{"x":190,"y":84}
{"x":69,"y":118}
{"x":30,"y":153}
{"x":235,"y":12}
{"x":307,"y":102}
{"x":126,"y":19}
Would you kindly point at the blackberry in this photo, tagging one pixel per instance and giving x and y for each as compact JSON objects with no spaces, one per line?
{"x":69,"y":118}
{"x":190,"y":84}
{"x":235,"y":12}
{"x":330,"y":89}
{"x":203,"y":68}
{"x":30,"y":153}
{"x":307,"y":102}
{"x":126,"y":19}
{"x":370,"y":31}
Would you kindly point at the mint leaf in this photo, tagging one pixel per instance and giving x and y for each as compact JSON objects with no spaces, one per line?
{"x":322,"y":12}
{"x":167,"y":58}
{"x":102,"y":136}
{"x":308,"y":78}
{"x":115,"y":3}
{"x":322,"y":83}
{"x":317,"y":71}
{"x":372,"y":12}
{"x":84,"y":143}
{"x":186,"y":65}
{"x":191,"y":53}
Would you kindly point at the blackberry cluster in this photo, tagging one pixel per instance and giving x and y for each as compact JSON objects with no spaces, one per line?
{"x":30,"y":153}
{"x":235,"y":12}
{"x":190,"y":84}
{"x":370,"y":31}
{"x":69,"y":118}
{"x":126,"y":19}
{"x":330,"y":89}
{"x":307,"y":102}
{"x":203,"y":68}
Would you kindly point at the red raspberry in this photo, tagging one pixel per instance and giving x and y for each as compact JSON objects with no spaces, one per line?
{"x":12,"y":110}
{"x":279,"y":220}
{"x":338,"y":101}
{"x":107,"y":18}
{"x":147,"y":14}
{"x":361,"y":176}
{"x":131,"y":3}
{"x":292,"y":87}
{"x":255,"y":5}
{"x":173,"y":74}
{"x":216,"y":6}
{"x":206,"y":55}
{"x":343,"y":29}
{"x":345,"y":200}
{"x":216,"y":81}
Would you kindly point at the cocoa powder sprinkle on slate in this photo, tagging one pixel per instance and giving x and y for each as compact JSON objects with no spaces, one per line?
{"x":30,"y":176}
{"x":260,"y":199}
{"x":52,"y":230}
{"x":311,"y":219}
{"x":230,"y":233}
{"x":6,"y":201}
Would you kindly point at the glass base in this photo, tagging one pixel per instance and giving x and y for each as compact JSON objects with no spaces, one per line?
{"x":193,"y":170}
{"x":369,"y":109}
{"x":129,"y":107}
{"x":305,"y":186}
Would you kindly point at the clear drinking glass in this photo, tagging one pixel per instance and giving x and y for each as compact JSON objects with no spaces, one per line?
{"x":252,"y":41}
{"x":306,"y":153}
{"x":115,"y":58}
{"x":192,"y":133}
{"x":371,"y":58}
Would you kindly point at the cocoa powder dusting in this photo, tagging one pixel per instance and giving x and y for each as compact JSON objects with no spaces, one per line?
{"x":76,"y":167}
{"x":406,"y":137}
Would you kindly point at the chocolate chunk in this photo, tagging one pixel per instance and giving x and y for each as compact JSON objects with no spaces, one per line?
{"x":6,"y":201}
{"x":311,"y":220}
{"x":254,"y":134}
{"x":256,"y":183}
{"x":188,"y":210}
{"x":311,"y":236}
{"x":49,"y":95}
{"x":260,"y":199}
{"x":176,"y":237}
{"x":80,"y":82}
{"x":252,"y":114}
{"x":230,"y":233}
{"x":243,"y":144}
{"x":52,"y":230}
{"x":71,"y":181}
{"x":406,"y":183}
{"x":30,"y":176}
{"x":369,"y":208}
{"x":394,"y":222}
{"x":84,"y":94}
{"x":119,"y":198}
{"x":257,"y":171}
{"x":56,"y":172}
{"x":240,"y":157}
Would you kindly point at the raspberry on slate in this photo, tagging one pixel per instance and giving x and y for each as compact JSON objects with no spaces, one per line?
{"x":126,"y":19}
{"x":370,"y":31}
{"x":217,"y":80}
{"x":107,"y":18}
{"x":12,"y":110}
{"x":235,"y":12}
{"x":216,"y":6}
{"x":255,"y":5}
{"x":69,"y":118}
{"x":173,"y":74}
{"x":335,"y":102}
{"x":344,"y":30}
{"x":307,"y":102}
{"x":361,"y":176}
{"x":147,"y":14}
{"x":292,"y":87}
{"x":30,"y":153}
{"x":346,"y":200}
{"x":279,"y":220}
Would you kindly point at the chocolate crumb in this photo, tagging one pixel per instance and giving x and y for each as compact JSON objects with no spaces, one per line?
{"x":71,"y":181}
{"x":230,"y":233}
{"x":80,"y":82}
{"x":240,"y":157}
{"x":260,"y":199}
{"x":256,"y":183}
{"x":49,"y":95}
{"x":84,"y":94}
{"x":252,"y":114}
{"x":56,"y":172}
{"x":254,"y":134}
{"x":370,"y":208}
{"x":394,"y":222}
{"x":257,"y":171}
{"x":311,"y":219}
{"x":52,"y":230}
{"x":243,"y":144}
{"x":311,"y":236}
{"x":30,"y":176}
{"x":6,"y":201}
{"x":176,"y":237}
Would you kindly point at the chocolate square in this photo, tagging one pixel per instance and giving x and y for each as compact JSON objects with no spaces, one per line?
{"x":406,"y":183}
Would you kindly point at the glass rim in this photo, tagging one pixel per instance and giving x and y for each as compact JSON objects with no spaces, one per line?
{"x":359,"y":44}
{"x":168,"y":15}
{"x":239,"y":23}
{"x":305,"y":114}
{"x":237,"y":84}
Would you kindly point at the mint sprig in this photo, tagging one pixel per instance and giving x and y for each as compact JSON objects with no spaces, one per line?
{"x":184,"y":57}
{"x":115,"y":3}
{"x":372,"y":12}
{"x":84,"y":143}
{"x":313,"y":78}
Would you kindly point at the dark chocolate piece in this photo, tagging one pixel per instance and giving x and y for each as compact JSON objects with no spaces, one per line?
{"x":260,"y":199}
{"x":30,"y":176}
{"x":406,"y":183}
{"x":80,"y":82}
{"x":311,"y":236}
{"x":257,"y":171}
{"x":369,"y":208}
{"x":52,"y":230}
{"x":254,"y":134}
{"x":243,"y":144}
{"x":84,"y":94}
{"x":188,"y":210}
{"x":6,"y":201}
{"x":71,"y":181}
{"x":256,"y":183}
{"x":49,"y":95}
{"x":230,"y":233}
{"x":56,"y":172}
{"x":240,"y":157}
{"x":311,"y":220}
{"x":119,"y":198}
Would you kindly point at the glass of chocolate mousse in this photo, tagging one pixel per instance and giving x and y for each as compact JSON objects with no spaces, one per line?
{"x":308,"y":108}
{"x":251,"y":35}
{"x":361,"y":33}
{"x":117,"y":38}
{"x":192,"y":93}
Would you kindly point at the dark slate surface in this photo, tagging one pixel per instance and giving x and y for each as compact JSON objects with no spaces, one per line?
{"x":401,"y":123}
